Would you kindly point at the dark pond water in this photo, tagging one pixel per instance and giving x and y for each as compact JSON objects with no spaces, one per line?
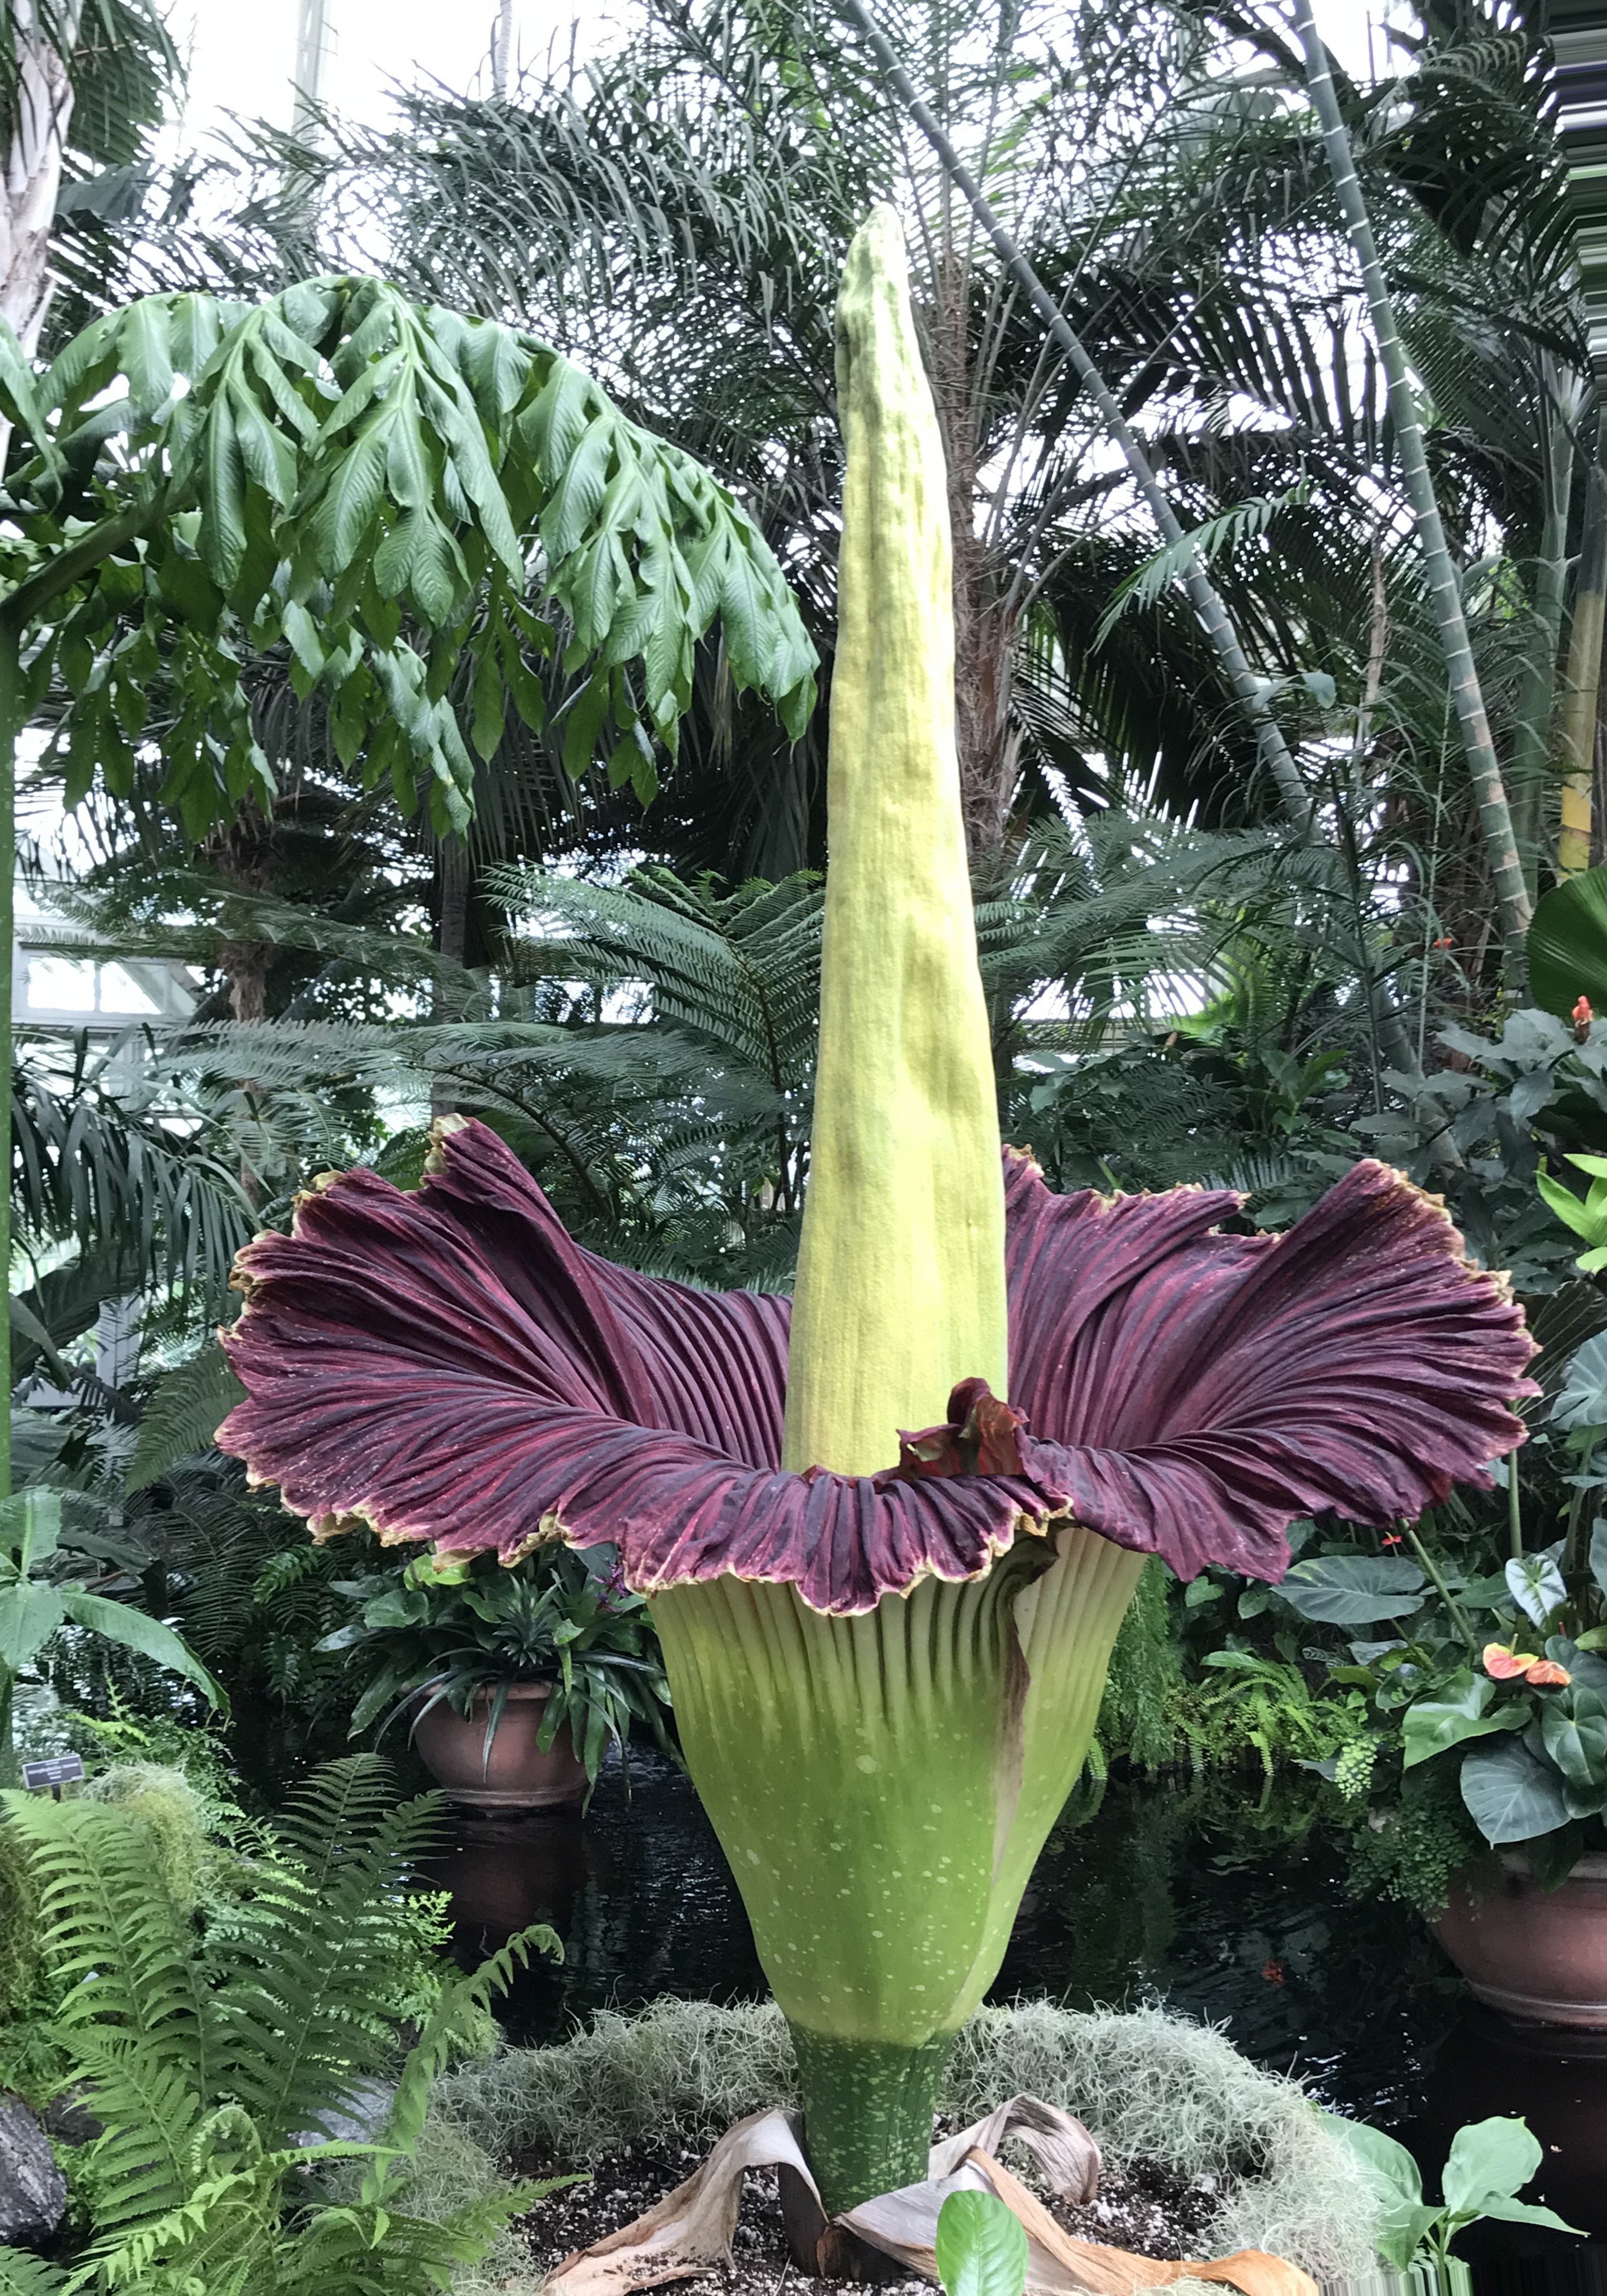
{"x":1220,"y":1898}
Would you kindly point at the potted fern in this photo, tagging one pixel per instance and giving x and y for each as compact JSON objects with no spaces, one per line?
{"x":516,"y":1680}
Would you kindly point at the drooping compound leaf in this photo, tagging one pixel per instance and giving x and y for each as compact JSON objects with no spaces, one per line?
{"x":188,"y":1405}
{"x":1511,"y":1795}
{"x":1353,"y":1590}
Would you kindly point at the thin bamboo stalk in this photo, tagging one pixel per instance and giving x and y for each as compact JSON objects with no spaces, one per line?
{"x":1494,"y":813}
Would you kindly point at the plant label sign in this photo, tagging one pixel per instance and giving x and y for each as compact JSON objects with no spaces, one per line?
{"x":60,"y":1770}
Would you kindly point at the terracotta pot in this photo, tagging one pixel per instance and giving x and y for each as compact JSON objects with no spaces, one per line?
{"x":1538,"y":1955}
{"x":519,"y":1775}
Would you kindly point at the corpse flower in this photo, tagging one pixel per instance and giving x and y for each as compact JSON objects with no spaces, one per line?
{"x":887,"y":1649}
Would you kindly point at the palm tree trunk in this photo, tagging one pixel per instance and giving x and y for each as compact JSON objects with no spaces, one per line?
{"x":1577,"y":729}
{"x":1271,"y":748}
{"x":1500,"y":843}
{"x":988,"y":743}
{"x":1537,"y":695}
{"x":42,"y":41}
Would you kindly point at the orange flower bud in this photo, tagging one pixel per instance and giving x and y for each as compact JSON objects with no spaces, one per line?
{"x":1582,"y":1017}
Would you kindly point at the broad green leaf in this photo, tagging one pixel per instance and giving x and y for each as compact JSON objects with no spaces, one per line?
{"x":1568,"y":944}
{"x":1574,"y":1727}
{"x":1488,"y":2157}
{"x":147,"y":358}
{"x":577,"y":496}
{"x":981,"y":2247}
{"x":1352,"y":1590}
{"x":30,"y":1611}
{"x":1434,"y":1725}
{"x":1404,"y":2218}
{"x":1598,"y":1551}
{"x":137,"y":1630}
{"x":1535,"y":1583}
{"x":350,"y":499}
{"x":1510,"y":1795}
{"x":1389,"y":2165}
{"x":1582,"y":1399}
{"x":1567,"y":1207}
{"x":1530,"y":2212}
{"x":19,"y":391}
{"x":30,"y":1525}
{"x":222,"y":487}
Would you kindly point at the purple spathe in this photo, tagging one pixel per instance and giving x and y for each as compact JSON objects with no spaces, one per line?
{"x":448,"y":1364}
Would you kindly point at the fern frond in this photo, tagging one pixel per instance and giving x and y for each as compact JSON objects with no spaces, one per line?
{"x":317,"y":1934}
{"x":452,"y":2019}
{"x":21,"y":2274}
{"x":151,"y":2107}
{"x":114,"y":1937}
{"x":187,"y":1407}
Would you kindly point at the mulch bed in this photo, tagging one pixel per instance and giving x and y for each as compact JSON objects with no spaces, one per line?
{"x":1154,"y":2212}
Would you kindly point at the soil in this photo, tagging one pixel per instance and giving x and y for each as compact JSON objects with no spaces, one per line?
{"x":1152,"y":2210}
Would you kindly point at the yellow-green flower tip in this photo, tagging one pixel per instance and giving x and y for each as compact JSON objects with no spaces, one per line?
{"x":901,"y":1275}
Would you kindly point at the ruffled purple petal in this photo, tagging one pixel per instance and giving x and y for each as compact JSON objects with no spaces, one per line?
{"x":1189,"y":1392}
{"x":449,"y":1364}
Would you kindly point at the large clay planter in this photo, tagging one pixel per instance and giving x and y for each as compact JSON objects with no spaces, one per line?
{"x":1539,"y":1956}
{"x":518,"y":1774}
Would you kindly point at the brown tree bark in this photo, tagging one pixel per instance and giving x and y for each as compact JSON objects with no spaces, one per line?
{"x":244,"y":853}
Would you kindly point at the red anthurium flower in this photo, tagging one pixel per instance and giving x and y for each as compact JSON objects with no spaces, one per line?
{"x":1582,"y":1016}
{"x":1504,"y":1664}
{"x":446,"y":1365}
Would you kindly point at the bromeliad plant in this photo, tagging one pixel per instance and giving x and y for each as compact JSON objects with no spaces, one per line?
{"x":465,"y":1629}
{"x":886,"y":1652}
